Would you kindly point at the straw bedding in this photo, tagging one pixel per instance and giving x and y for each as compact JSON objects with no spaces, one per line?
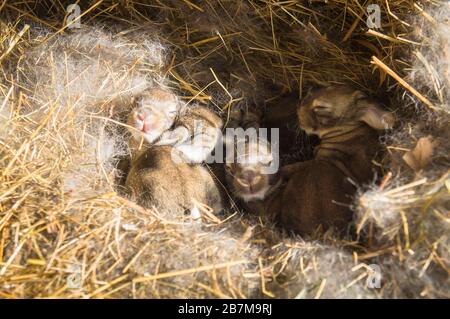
{"x":66,"y":231}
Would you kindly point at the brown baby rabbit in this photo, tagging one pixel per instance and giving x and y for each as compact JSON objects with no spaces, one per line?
{"x":165,"y":169}
{"x":319,"y":191}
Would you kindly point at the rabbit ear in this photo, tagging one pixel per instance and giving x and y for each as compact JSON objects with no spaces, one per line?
{"x":373,"y":115}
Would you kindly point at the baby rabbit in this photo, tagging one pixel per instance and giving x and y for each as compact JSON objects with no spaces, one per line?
{"x":315,"y":195}
{"x":251,"y":171}
{"x":165,"y":170}
{"x":319,"y":191}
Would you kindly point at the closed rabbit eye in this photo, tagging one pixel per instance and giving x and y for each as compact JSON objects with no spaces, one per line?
{"x":323,"y":114}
